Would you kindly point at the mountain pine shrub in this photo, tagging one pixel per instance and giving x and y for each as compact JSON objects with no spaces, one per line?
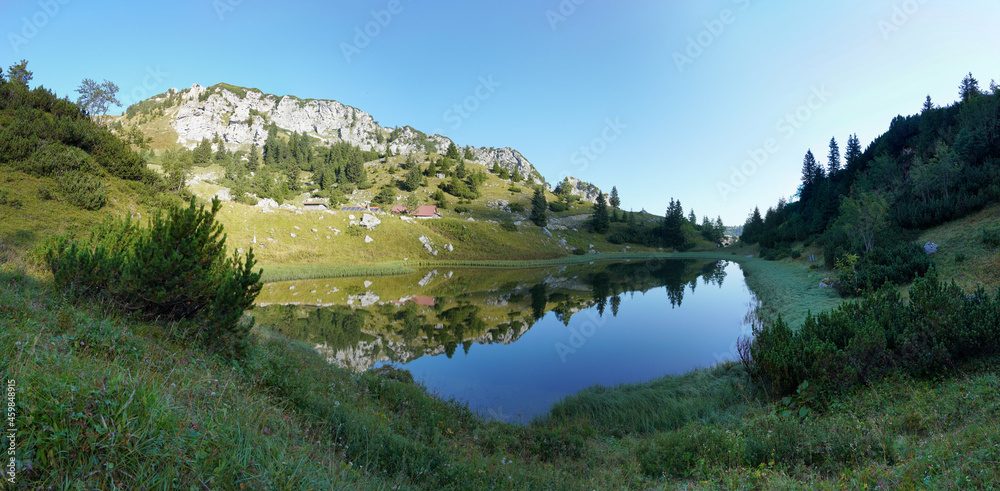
{"x":862,"y":341}
{"x":83,"y":190}
{"x":175,"y":272}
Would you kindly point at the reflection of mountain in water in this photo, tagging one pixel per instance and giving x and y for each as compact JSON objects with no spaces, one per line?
{"x":467,"y":307}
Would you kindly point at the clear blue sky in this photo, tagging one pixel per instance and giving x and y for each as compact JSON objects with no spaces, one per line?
{"x":559,"y":74}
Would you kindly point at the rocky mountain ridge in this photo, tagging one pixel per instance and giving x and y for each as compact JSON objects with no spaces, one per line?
{"x":242,"y":117}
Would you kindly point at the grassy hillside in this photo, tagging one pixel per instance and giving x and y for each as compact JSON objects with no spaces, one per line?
{"x":969,"y":249}
{"x":105,"y":400}
{"x":111,"y":402}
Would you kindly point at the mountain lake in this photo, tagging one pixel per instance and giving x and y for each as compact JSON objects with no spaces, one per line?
{"x":512,"y":342}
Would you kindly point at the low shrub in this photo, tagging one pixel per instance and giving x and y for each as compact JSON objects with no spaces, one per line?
{"x":176,"y":272}
{"x":508,"y":226}
{"x":990,"y":236}
{"x":83,"y":190}
{"x":516,"y":207}
{"x":6,"y":199}
{"x":865,"y":340}
{"x":899,"y":265}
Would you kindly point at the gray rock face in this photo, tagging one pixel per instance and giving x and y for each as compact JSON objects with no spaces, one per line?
{"x":585,"y":190}
{"x":242,"y":120}
{"x":507,"y":158}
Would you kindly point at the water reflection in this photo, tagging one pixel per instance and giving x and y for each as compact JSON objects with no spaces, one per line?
{"x":358,"y":323}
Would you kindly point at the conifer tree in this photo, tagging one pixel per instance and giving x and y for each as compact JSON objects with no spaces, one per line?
{"x":413,"y":178}
{"x":969,"y":88}
{"x":203,"y":152}
{"x":673,"y":220}
{"x":452,"y":152}
{"x":292,"y":176}
{"x":852,"y":154}
{"x":833,"y":158}
{"x":18,"y":73}
{"x":538,"y":207}
{"x":253,"y":160}
{"x":615,"y":202}
{"x":928,"y":105}
{"x":600,"y":221}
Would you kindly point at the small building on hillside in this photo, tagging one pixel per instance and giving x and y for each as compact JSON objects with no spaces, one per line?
{"x":426,"y":211}
{"x":398,"y":209}
{"x":314,"y":205}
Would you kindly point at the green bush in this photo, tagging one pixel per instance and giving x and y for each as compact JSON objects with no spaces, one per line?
{"x":7,"y":200}
{"x":990,"y":237}
{"x":516,"y":207}
{"x":899,"y":265}
{"x":176,"y":272}
{"x":558,"y":206}
{"x":83,"y":190}
{"x":508,"y":226}
{"x":863,"y":341}
{"x":54,"y":159}
{"x":461,"y":209}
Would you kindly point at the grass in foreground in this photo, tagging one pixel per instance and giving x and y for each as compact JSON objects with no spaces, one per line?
{"x":108,"y":402}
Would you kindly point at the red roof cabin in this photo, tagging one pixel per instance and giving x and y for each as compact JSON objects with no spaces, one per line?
{"x":426,"y":211}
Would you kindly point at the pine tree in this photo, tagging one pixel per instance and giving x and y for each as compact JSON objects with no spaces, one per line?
{"x":600,"y":221}
{"x":969,"y":88}
{"x":292,"y":176}
{"x":615,"y":201}
{"x":413,"y":178}
{"x":692,"y":218}
{"x":468,"y":154}
{"x":253,"y":161}
{"x":203,"y":152}
{"x":538,"y":207}
{"x":673,"y":221}
{"x":928,"y":105}
{"x":271,"y":146}
{"x":809,"y":167}
{"x":753,"y":228}
{"x":452,"y":152}
{"x":833,"y":158}
{"x":852,"y":154}
{"x":18,"y":73}
{"x":220,"y":153}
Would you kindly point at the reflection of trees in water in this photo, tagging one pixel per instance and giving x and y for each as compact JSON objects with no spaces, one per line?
{"x":337,"y":327}
{"x":675,"y":276}
{"x":539,"y":298}
{"x":460,"y":320}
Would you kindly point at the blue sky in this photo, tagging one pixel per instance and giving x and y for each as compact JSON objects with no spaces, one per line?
{"x":659,"y":98}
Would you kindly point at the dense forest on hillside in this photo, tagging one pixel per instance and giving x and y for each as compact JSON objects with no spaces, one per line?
{"x":927,"y":169}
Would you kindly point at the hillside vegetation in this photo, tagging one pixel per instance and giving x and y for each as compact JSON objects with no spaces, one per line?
{"x":113,"y":391}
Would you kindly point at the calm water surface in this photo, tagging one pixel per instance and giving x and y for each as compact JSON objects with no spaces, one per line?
{"x":511,"y":343}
